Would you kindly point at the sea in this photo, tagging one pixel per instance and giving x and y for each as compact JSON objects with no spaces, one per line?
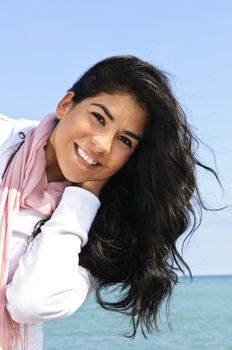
{"x":200,"y":318}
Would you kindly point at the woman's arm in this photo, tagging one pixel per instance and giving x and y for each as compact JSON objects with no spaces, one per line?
{"x":48,"y":282}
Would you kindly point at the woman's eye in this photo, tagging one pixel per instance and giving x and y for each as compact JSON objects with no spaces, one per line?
{"x":99,"y":117}
{"x":125,"y":140}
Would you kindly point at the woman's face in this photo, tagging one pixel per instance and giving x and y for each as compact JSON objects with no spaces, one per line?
{"x":93,"y":138}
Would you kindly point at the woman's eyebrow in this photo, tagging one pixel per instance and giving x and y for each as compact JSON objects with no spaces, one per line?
{"x":105,"y":109}
{"x":109,"y":115}
{"x":132,"y":134}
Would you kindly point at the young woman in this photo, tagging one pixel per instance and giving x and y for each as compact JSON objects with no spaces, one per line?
{"x":95,"y":195}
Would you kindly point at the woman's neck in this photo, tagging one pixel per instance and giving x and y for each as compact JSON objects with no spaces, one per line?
{"x":52,"y":168}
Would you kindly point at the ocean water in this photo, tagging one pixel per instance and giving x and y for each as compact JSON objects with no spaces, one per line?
{"x":200,"y":316}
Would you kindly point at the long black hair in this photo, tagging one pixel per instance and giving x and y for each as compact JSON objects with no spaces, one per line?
{"x":148,"y":203}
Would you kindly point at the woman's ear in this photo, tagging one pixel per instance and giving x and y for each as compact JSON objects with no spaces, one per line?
{"x":64,"y":105}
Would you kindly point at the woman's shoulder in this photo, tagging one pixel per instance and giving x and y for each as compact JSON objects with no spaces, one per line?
{"x":4,"y":118}
{"x":6,"y":128}
{"x":21,"y":122}
{"x":5,"y":124}
{"x":12,"y":130}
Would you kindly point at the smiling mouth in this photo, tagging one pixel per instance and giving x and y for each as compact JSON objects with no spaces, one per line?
{"x":84,"y":157}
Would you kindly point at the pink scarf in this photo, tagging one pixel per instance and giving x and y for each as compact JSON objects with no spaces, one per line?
{"x":24,"y":185}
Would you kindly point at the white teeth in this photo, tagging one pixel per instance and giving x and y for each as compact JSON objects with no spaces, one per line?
{"x":84,"y":156}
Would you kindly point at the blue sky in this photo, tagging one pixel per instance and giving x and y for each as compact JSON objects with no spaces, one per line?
{"x":46,"y":45}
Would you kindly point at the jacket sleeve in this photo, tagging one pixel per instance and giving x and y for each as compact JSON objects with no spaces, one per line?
{"x":48,"y":282}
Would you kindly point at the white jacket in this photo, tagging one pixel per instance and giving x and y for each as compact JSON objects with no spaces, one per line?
{"x":45,"y":280}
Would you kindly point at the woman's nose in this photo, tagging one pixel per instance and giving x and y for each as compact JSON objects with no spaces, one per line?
{"x":102,"y":143}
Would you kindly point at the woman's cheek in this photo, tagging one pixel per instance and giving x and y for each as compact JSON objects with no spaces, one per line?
{"x":122,"y":159}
